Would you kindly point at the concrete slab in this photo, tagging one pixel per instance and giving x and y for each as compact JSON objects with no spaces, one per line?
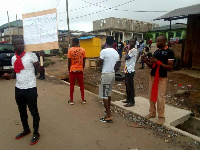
{"x":141,"y":109}
{"x":174,"y":115}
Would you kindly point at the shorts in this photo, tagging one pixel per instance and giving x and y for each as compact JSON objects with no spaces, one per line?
{"x":105,"y":88}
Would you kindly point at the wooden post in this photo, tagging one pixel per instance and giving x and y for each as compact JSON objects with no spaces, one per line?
{"x":17,"y":26}
{"x":9,"y":27}
{"x":68,"y":22}
{"x":169,"y":34}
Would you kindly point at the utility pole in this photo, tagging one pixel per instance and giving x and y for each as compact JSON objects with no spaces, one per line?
{"x":17,"y":26}
{"x":68,"y":22}
{"x":170,"y":27}
{"x":9,"y":27}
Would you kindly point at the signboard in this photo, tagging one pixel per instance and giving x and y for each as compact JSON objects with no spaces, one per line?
{"x":40,"y":30}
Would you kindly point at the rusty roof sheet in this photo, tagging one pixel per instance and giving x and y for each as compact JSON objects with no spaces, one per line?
{"x":181,"y":13}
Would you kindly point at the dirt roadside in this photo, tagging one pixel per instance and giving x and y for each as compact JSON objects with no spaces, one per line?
{"x":63,"y":126}
{"x":178,"y":81}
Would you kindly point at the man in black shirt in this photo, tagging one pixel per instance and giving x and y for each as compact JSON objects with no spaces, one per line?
{"x":161,"y":62}
{"x":120,"y":47}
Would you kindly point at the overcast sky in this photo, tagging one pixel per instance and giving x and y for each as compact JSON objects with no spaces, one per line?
{"x":79,"y":8}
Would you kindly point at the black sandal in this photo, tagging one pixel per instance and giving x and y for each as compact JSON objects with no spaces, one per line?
{"x":106,"y":121}
{"x":102,"y":118}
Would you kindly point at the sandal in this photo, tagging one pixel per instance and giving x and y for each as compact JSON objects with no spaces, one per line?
{"x":106,"y":121}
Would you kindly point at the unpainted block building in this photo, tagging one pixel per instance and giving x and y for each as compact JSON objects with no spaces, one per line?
{"x":122,"y":28}
{"x":16,"y":29}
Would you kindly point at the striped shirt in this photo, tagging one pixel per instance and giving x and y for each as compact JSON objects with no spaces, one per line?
{"x":130,"y":63}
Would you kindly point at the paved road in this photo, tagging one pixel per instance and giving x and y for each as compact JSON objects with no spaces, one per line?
{"x":70,"y":127}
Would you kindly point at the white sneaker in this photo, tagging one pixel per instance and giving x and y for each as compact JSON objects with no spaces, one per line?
{"x":71,"y":102}
{"x":83,"y":102}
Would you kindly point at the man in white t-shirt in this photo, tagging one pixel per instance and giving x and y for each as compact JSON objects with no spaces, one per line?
{"x":129,"y":69}
{"x":108,"y":60}
{"x":24,"y":64}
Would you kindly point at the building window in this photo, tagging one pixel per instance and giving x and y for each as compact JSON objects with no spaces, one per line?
{"x":103,"y":22}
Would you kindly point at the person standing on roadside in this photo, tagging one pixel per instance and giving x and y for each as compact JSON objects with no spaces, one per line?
{"x":137,"y":44}
{"x":24,"y":64}
{"x":129,"y":69}
{"x":120,"y":47}
{"x":76,"y":65}
{"x":146,"y":53}
{"x":108,"y":60}
{"x":42,"y":75}
{"x":160,"y":63}
{"x":115,"y":45}
{"x":150,"y":42}
{"x":124,"y":43}
{"x":142,"y":45}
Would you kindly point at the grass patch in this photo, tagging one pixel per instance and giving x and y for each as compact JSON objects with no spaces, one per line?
{"x":47,"y":59}
{"x":63,"y":57}
{"x":48,"y":62}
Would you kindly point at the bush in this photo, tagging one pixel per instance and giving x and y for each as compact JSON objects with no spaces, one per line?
{"x":47,"y":59}
{"x":148,"y":36}
{"x":162,"y":33}
{"x":63,"y":58}
{"x":48,"y":62}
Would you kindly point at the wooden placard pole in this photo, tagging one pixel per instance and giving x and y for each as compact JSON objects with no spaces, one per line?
{"x":41,"y":61}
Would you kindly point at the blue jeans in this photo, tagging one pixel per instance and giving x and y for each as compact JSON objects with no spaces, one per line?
{"x":139,"y":54}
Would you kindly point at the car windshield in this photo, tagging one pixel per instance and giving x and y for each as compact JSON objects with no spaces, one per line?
{"x":6,"y":48}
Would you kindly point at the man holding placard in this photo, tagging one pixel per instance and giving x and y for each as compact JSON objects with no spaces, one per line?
{"x":24,"y":64}
{"x":40,"y":33}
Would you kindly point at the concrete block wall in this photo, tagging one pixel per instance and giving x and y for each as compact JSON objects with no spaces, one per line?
{"x":102,"y":24}
{"x":119,"y":24}
{"x":122,"y":24}
{"x":14,"y":31}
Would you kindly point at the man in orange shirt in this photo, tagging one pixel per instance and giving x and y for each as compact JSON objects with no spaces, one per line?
{"x":76,"y":64}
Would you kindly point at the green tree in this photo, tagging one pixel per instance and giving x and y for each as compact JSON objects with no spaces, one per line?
{"x":148,"y":36}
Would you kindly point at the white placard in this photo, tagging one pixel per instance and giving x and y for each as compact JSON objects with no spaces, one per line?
{"x":40,"y":29}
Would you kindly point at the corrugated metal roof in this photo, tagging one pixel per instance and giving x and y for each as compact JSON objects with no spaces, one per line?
{"x":12,"y":24}
{"x":173,"y":27}
{"x":87,"y":37}
{"x":181,"y":12}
